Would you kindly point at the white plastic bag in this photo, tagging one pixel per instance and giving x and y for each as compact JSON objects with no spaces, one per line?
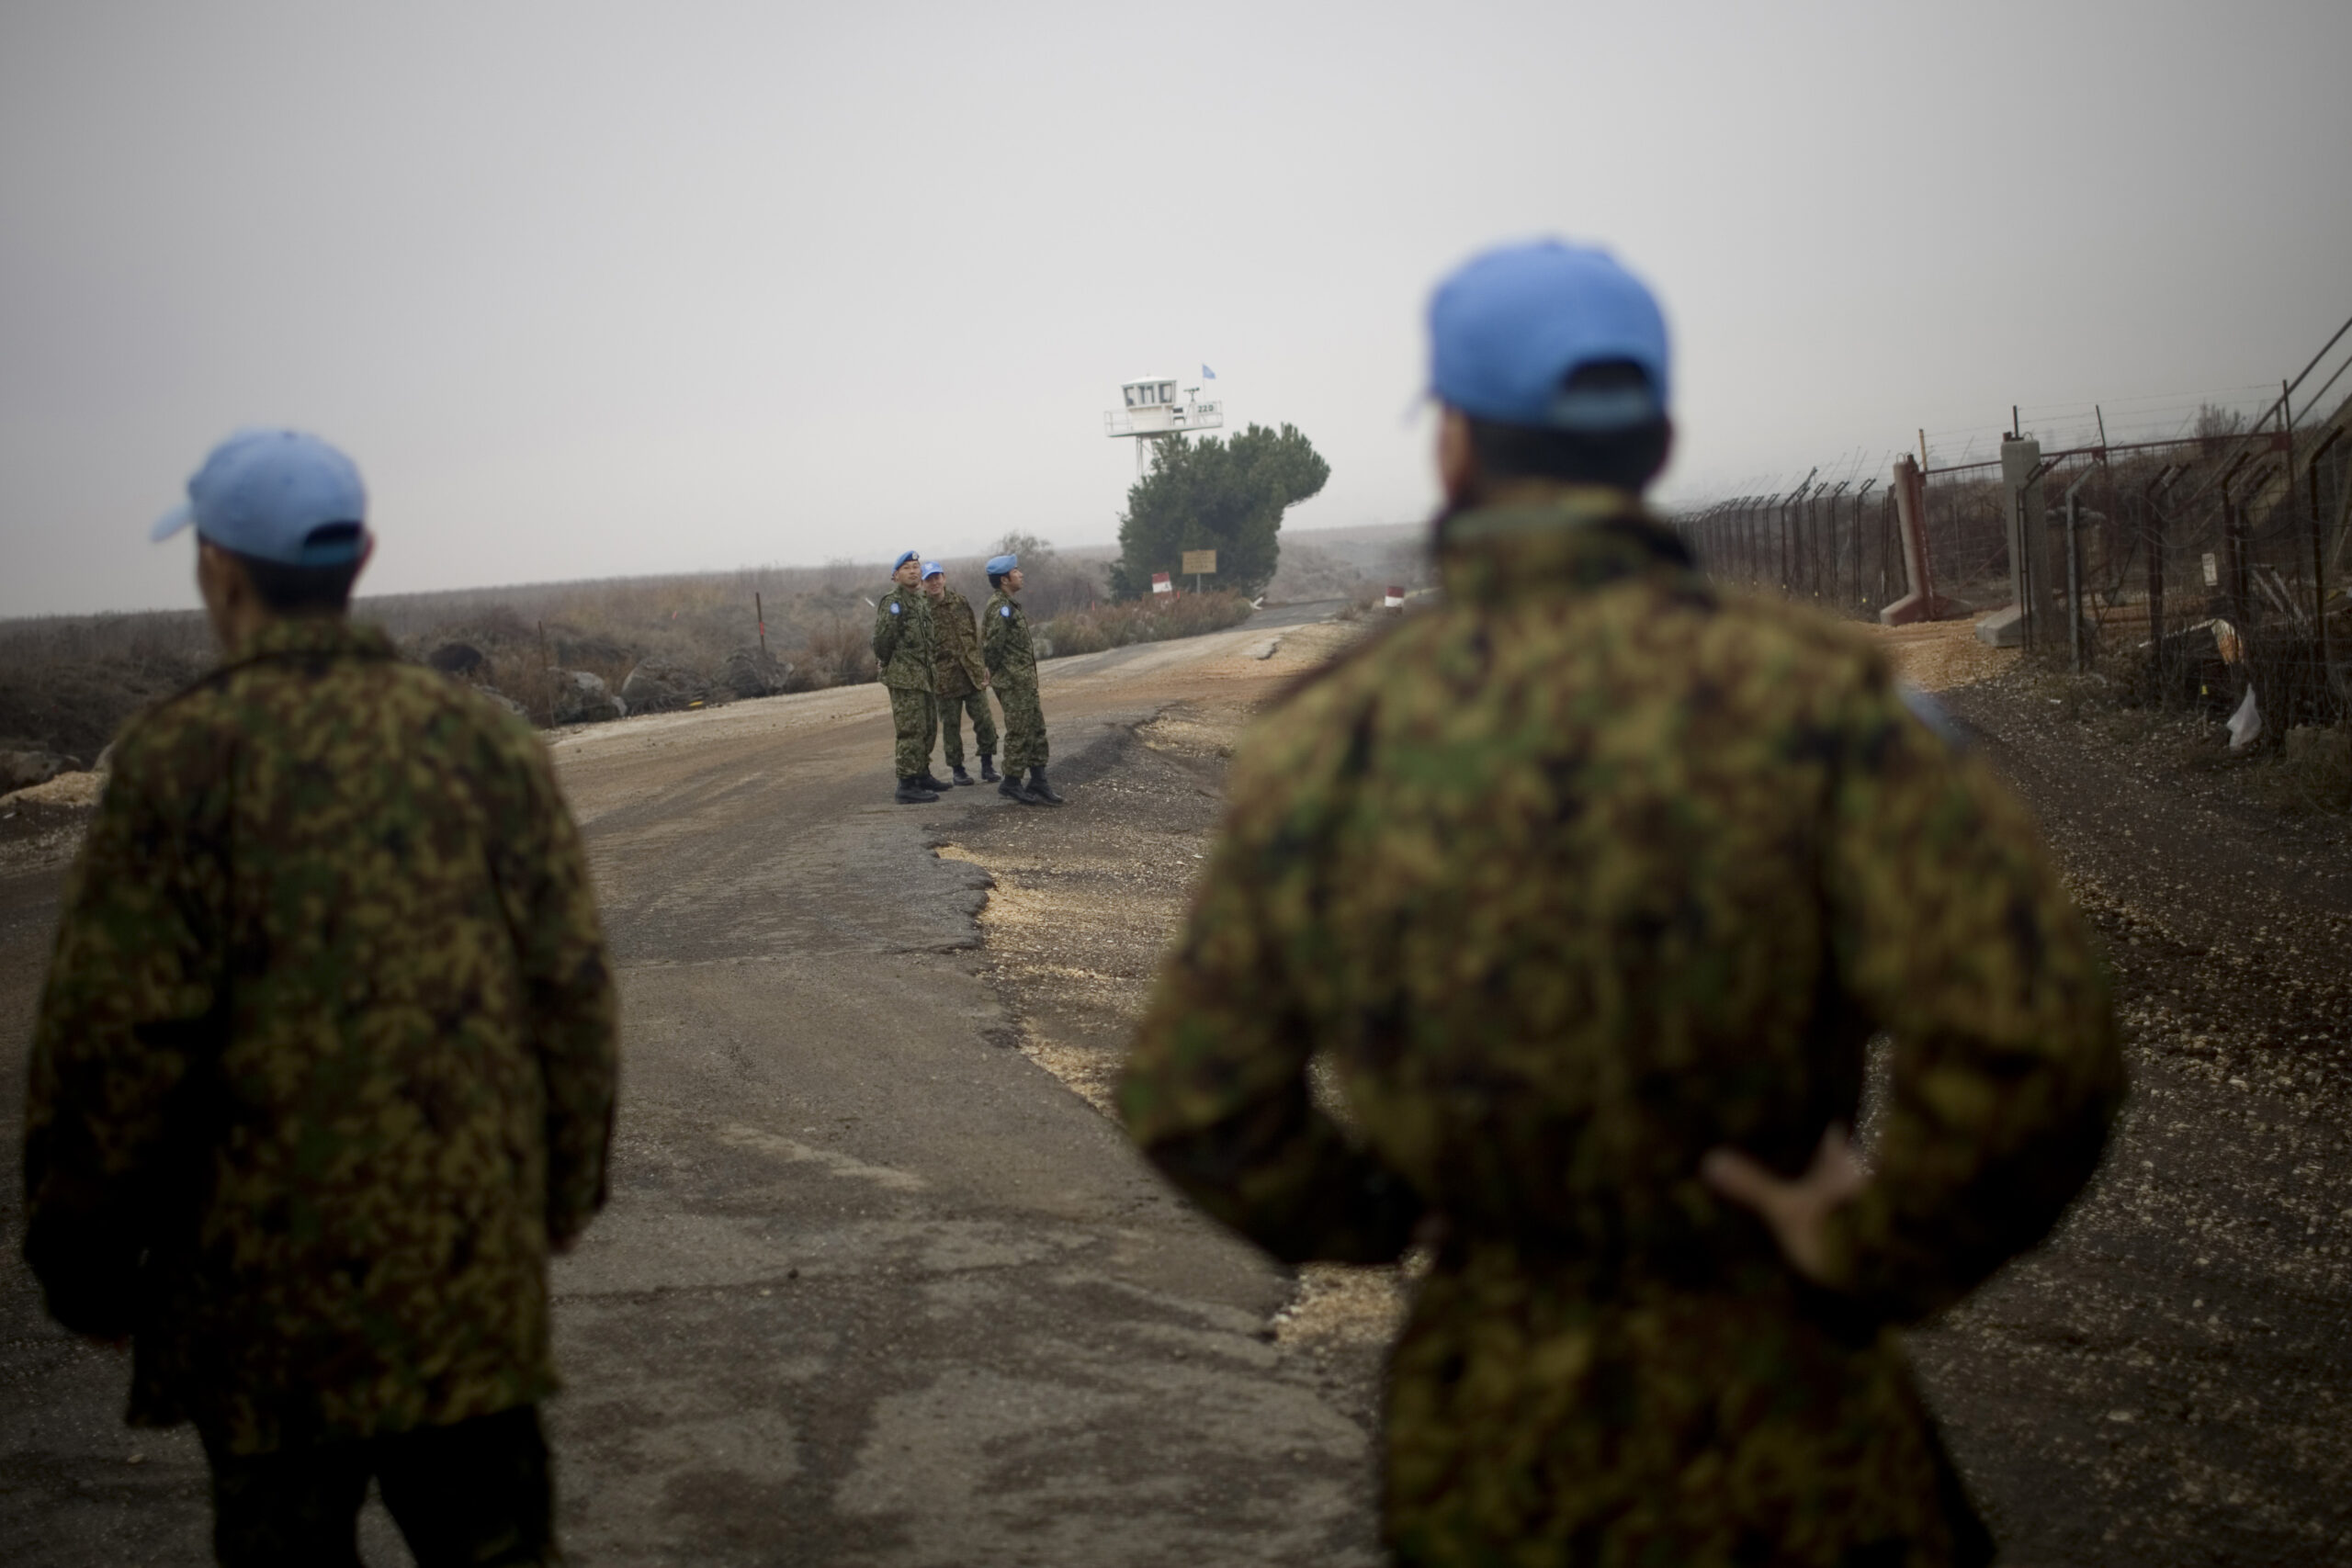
{"x":2246,"y":724}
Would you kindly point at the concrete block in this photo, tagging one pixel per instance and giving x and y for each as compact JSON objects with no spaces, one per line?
{"x":2005,"y":627}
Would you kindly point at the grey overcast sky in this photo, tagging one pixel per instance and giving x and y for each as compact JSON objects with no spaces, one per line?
{"x":598,"y":289}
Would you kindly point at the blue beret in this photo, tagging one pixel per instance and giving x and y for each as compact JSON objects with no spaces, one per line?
{"x":1508,"y":327}
{"x":1002,"y":564}
{"x":904,"y":556}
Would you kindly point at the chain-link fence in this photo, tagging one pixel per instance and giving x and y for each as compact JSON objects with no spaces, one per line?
{"x":1832,"y":544}
{"x":2203,"y":568}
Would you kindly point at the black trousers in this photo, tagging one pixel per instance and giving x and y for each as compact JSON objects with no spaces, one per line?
{"x":476,"y":1493}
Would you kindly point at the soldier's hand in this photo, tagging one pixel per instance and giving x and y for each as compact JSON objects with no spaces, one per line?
{"x":1794,"y":1210}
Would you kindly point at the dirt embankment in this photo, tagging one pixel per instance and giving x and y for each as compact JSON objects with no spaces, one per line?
{"x":2167,"y":1382}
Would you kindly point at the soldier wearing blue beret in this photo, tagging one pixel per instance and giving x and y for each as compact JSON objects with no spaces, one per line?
{"x":962,"y":678}
{"x":1590,"y":885}
{"x":1012,"y":668}
{"x":905,"y":645}
{"x":325,"y":1062}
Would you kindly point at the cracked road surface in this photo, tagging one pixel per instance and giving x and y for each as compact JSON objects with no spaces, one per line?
{"x":874,"y":1288}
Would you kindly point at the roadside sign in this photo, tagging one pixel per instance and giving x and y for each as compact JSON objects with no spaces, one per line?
{"x":1396,"y":600}
{"x":1159,"y":583}
{"x":1199,"y":563}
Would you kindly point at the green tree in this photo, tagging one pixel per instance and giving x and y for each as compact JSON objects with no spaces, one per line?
{"x":1214,"y":494}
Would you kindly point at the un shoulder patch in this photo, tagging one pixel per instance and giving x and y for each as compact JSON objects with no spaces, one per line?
{"x":894,"y":606}
{"x":1006,"y":612}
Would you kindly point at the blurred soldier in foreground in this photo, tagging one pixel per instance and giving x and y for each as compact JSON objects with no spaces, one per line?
{"x":1004,"y":647}
{"x":904,"y":647}
{"x":325,"y":1068}
{"x":963,"y":677}
{"x":1590,"y":884}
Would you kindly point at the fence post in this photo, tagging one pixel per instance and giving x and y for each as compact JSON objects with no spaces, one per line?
{"x":1919,"y":603}
{"x":2319,"y":564}
{"x":2073,"y":581}
{"x":1860,"y":598}
{"x":2154,"y":543}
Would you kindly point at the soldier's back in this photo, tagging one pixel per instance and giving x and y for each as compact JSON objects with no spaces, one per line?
{"x":1589,"y":870}
{"x":358,"y":857}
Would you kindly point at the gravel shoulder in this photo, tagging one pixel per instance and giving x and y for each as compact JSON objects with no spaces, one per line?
{"x":2170,"y":1380}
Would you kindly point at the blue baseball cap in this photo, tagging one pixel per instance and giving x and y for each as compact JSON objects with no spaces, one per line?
{"x":1510,"y":326}
{"x":999,"y":565}
{"x":932,"y":568}
{"x":276,"y":495}
{"x":904,"y":556}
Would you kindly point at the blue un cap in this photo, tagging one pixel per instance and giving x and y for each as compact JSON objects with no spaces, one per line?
{"x":999,"y":565}
{"x":276,"y":495}
{"x":932,"y":568}
{"x":1509,"y":327}
{"x":904,"y":556}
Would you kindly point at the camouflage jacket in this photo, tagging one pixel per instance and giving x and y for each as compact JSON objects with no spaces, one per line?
{"x":326,"y":1061}
{"x":903,"y":639}
{"x":1587,"y":870}
{"x":961,"y":671}
{"x":1004,"y":643}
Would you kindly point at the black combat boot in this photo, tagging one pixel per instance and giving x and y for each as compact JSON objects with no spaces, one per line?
{"x":961,"y":777}
{"x":987,"y":769}
{"x":929,"y":781}
{"x":912,"y":792}
{"x":1040,"y":790}
{"x":1010,"y":787}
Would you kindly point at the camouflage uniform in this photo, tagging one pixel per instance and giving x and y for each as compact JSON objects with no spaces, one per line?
{"x":1013,"y":670}
{"x":961,"y":674}
{"x":903,"y":647}
{"x":1584,"y":873}
{"x":328,"y":1038}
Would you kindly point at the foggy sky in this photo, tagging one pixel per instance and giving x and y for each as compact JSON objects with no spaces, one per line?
{"x":602,"y":289}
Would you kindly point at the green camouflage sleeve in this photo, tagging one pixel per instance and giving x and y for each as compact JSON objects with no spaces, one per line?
{"x":1951,"y":929}
{"x":542,"y":874}
{"x":967,"y":645}
{"x":993,"y":634}
{"x":134,"y":1003}
{"x":887,"y":631}
{"x":1216,"y":1086}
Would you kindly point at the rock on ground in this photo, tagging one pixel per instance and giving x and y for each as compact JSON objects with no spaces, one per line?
{"x":581,"y":697}
{"x":754,"y":672}
{"x":659,"y":685}
{"x":22,"y":770}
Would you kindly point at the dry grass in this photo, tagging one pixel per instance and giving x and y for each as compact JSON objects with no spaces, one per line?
{"x":67,"y":683}
{"x":1156,"y":617}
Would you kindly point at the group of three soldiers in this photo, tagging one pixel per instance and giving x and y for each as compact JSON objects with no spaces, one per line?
{"x":938,"y":667}
{"x":1586,"y":887}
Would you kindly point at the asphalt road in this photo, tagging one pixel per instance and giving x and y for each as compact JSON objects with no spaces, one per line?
{"x":873,"y":1287}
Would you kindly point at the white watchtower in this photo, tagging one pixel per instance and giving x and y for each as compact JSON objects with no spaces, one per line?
{"x":1154,"y":413}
